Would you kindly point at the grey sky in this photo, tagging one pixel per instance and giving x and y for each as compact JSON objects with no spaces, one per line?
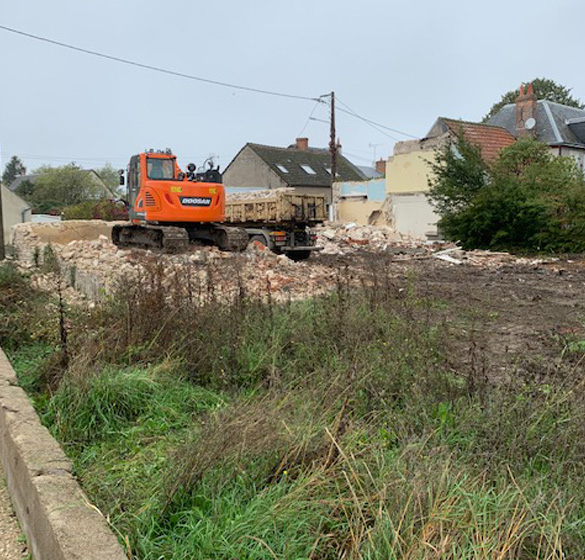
{"x":399,"y":63}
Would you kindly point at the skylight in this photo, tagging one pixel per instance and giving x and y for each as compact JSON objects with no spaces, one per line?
{"x":308,"y":169}
{"x":282,"y":168}
{"x":328,"y":169}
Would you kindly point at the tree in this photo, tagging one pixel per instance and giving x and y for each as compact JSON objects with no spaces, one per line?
{"x":527,"y":199}
{"x":14,"y":168}
{"x":543,"y":89}
{"x":110,"y":177}
{"x":25,"y":189}
{"x":58,"y":187}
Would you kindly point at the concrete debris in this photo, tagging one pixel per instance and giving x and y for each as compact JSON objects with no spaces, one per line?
{"x":447,"y":258}
{"x":343,"y":239}
{"x":93,"y":266}
{"x":255,"y":195}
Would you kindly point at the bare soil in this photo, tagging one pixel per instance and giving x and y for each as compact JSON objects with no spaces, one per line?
{"x":502,"y":314}
{"x":11,"y":545}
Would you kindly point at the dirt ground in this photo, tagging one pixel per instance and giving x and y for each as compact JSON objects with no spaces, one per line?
{"x":505,"y":317}
{"x":11,"y":547}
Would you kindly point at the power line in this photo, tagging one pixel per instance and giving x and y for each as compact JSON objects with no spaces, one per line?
{"x":93,"y":160}
{"x":356,"y":156}
{"x":351,"y":112}
{"x":156,"y":68}
{"x":309,"y":118}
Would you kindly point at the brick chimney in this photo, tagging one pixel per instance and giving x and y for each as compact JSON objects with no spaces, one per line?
{"x":381,"y":166}
{"x":525,"y":109}
{"x":302,"y":144}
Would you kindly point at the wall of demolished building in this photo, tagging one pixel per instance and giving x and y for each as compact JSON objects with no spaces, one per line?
{"x":407,"y":181}
{"x":414,"y":216}
{"x":361,"y":202}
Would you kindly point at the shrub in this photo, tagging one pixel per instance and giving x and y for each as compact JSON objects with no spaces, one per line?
{"x":109,"y":210}
{"x":527,"y":199}
{"x":23,"y":315}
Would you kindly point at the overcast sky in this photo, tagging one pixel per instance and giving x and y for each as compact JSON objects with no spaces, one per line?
{"x":402,"y":64}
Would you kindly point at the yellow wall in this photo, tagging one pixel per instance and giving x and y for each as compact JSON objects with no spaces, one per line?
{"x":357,"y":210}
{"x":409,"y":173}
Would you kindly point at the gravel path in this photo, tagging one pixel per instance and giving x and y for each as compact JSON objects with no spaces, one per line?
{"x":10,"y":547}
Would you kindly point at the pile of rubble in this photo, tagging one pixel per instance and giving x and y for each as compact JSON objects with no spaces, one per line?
{"x":455,"y":255}
{"x":349,"y":238}
{"x":94,"y":268}
{"x":258,"y":194}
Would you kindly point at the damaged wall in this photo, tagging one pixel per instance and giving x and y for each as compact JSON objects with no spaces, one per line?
{"x":414,"y":216}
{"x":361,"y":202}
{"x":407,"y":181}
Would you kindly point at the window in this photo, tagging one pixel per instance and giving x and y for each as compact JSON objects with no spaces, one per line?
{"x":282,"y":168}
{"x":160,"y":168}
{"x":328,"y":169}
{"x":308,"y":169}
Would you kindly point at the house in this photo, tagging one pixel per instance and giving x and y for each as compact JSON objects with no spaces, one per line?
{"x":308,"y":170}
{"x":14,"y":211}
{"x":408,"y":171}
{"x":560,"y":126}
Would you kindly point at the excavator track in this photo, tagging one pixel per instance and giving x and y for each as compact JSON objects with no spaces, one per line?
{"x":174,"y":239}
{"x":233,"y":239}
{"x":169,"y":239}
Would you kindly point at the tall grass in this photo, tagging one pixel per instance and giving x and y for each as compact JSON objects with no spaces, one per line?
{"x":223,"y":428}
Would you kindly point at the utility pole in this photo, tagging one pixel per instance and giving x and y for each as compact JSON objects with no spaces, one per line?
{"x":332,"y":143}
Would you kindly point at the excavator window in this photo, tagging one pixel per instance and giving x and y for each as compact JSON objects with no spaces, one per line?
{"x":134,"y":174}
{"x":158,"y":168}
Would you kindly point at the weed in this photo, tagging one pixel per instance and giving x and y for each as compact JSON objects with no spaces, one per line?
{"x":334,"y":428}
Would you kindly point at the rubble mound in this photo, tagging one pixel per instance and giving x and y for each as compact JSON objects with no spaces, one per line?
{"x":339,"y":239}
{"x":258,"y":195}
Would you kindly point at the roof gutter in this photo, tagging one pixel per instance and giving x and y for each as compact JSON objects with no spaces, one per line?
{"x":567,"y":145}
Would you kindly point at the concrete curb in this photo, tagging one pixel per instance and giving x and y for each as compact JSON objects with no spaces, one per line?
{"x":54,"y":513}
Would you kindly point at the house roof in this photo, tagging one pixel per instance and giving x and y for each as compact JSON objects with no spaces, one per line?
{"x":370,"y":172}
{"x":556,"y":124}
{"x":17,"y":182}
{"x":490,"y":138}
{"x":288,"y":164}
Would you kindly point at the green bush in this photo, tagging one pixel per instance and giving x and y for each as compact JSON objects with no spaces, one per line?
{"x":527,"y":199}
{"x":24,"y":319}
{"x":105,"y":209}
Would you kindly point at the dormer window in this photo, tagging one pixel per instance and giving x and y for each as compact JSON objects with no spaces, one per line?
{"x":281,"y":168}
{"x":308,"y":169}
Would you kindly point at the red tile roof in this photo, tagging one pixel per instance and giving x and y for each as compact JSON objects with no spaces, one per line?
{"x":491,"y":139}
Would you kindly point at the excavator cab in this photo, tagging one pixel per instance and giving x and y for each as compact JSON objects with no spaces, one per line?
{"x":158,"y":191}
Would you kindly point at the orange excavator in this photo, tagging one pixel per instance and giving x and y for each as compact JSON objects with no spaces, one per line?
{"x":169,"y":209}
